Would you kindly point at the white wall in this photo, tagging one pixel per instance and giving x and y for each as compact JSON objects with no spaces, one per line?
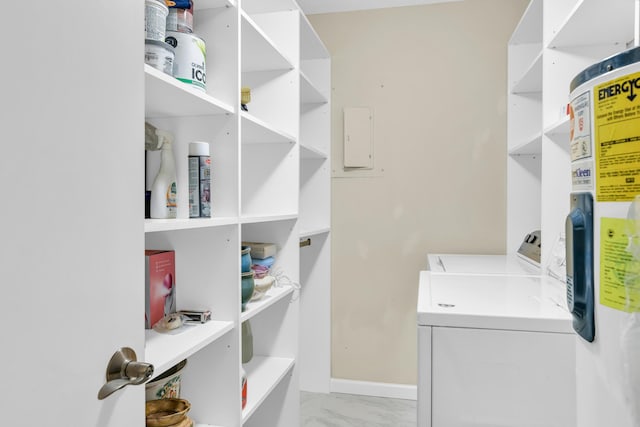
{"x":435,"y":78}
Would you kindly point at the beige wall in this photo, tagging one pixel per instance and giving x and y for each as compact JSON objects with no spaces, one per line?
{"x":435,"y":77}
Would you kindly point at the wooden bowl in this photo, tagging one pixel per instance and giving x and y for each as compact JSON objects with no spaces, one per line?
{"x":166,"y":412}
{"x":187,"y":422}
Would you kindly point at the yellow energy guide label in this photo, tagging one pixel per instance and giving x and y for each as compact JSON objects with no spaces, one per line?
{"x":619,"y":264}
{"x":617,"y":138}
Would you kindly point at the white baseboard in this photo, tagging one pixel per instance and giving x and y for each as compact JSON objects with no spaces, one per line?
{"x":366,"y":388}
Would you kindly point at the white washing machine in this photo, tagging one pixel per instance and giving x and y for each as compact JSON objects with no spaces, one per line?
{"x":494,"y":350}
{"x":482,"y":264}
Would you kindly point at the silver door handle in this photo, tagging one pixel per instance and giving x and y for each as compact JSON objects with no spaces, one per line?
{"x":124,"y":369}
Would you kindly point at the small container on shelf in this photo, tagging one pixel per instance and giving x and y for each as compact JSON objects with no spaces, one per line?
{"x":167,"y":413}
{"x":159,"y":55}
{"x":248,"y":286}
{"x":167,"y":385}
{"x":155,"y":19}
{"x":180,"y":19}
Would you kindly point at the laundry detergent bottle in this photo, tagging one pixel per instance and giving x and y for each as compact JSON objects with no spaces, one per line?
{"x":164,"y":188}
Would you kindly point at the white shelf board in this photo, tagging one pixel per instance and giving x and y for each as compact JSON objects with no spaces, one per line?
{"x":529,"y":29}
{"x":203,"y":425}
{"x":531,"y":146}
{"x":253,"y":219}
{"x":309,"y":93}
{"x":304,"y":234}
{"x":166,"y":96}
{"x":578,"y":28}
{"x":165,"y":350}
{"x":263,"y":6}
{"x":212,"y":4}
{"x":273,"y":295}
{"x":311,"y":46}
{"x":154,"y":225}
{"x":531,"y":80}
{"x":255,"y":131}
{"x":559,"y":129}
{"x":307,"y":152}
{"x":263,"y":375}
{"x":259,"y":53}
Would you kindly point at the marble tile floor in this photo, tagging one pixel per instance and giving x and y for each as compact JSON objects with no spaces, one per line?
{"x":348,"y":410}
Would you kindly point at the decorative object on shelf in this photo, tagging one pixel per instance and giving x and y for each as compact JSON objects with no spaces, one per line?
{"x":259,"y":271}
{"x":247,"y":342}
{"x":243,"y":385}
{"x":281,"y":279}
{"x":167,"y":385}
{"x":248,"y":286}
{"x":245,"y":258}
{"x":262,"y":285}
{"x":199,"y":180}
{"x":245,"y":97}
{"x":196,"y":316}
{"x":260,"y":250}
{"x":160,"y":285}
{"x":166,"y":412}
{"x":189,"y":65}
{"x":267,"y":262}
{"x":168,"y":323}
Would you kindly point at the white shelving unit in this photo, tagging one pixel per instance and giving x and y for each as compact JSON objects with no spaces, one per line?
{"x":315,"y":211}
{"x":524,"y":130}
{"x":261,"y":191}
{"x":554,"y":41}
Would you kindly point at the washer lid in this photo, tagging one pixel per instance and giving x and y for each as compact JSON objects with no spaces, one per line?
{"x":481,"y":264}
{"x":520,"y":303}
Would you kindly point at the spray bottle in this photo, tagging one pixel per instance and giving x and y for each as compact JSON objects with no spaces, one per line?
{"x":164,"y":188}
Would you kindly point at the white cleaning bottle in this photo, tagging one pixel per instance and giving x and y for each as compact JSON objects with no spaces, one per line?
{"x":164,"y":188}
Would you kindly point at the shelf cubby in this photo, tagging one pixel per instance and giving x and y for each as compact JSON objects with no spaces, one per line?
{"x":164,"y":350}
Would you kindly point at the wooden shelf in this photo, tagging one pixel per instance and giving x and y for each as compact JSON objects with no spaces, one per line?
{"x":559,"y":129}
{"x":166,"y":96}
{"x":156,"y":225}
{"x":273,"y":295}
{"x":311,"y":45}
{"x":314,"y":232}
{"x":312,"y":153}
{"x":256,"y":131}
{"x":165,"y":350}
{"x":531,"y":146}
{"x":212,"y":4}
{"x":254,"y":219}
{"x":531,"y":80}
{"x":579,"y":29}
{"x":309,"y":93}
{"x":266,"y":6}
{"x":529,"y":29}
{"x":259,"y":53}
{"x":263,"y":375}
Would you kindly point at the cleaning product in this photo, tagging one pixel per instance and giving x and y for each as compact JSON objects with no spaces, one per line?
{"x":164,"y":188}
{"x":199,"y":180}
